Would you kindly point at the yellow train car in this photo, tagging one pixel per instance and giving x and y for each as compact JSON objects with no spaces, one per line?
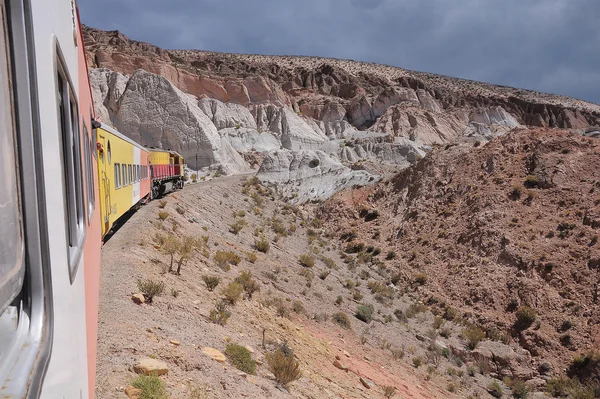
{"x":166,"y":169}
{"x":124,"y":174}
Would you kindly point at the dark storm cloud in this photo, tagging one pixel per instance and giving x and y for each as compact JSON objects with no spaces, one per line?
{"x":545,"y":45}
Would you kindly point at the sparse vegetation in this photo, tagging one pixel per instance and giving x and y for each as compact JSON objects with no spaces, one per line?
{"x":162,"y":204}
{"x":211,"y":282}
{"x":163,"y":215}
{"x":342,"y":319}
{"x":284,"y":367}
{"x":495,"y":389}
{"x":364,"y":313}
{"x":306,"y":260}
{"x":525,"y":318}
{"x":251,"y":257}
{"x":389,"y":391}
{"x":240,"y":358}
{"x":473,"y":335}
{"x":237,"y":226}
{"x":417,"y":361}
{"x":248,"y":283}
{"x":262,"y":245}
{"x":151,"y":387}
{"x":232,"y":293}
{"x":219,"y":315}
{"x":225,"y":258}
{"x":150,"y":288}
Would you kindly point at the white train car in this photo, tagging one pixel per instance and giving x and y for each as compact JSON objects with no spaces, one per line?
{"x":49,"y":219}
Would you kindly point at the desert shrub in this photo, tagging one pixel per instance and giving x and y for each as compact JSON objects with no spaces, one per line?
{"x":240,"y":358}
{"x":398,"y":353}
{"x":519,"y":389}
{"x":180,"y":210}
{"x":225,"y":258}
{"x":420,"y":278}
{"x":151,"y":387}
{"x":516,"y":191}
{"x":473,"y":335}
{"x":389,"y":391}
{"x":298,"y":307}
{"x":342,"y":319}
{"x":437,"y":322}
{"x":364,"y":313}
{"x":251,"y":257}
{"x":495,"y":389}
{"x":356,"y":295}
{"x":150,"y":288}
{"x":174,"y":293}
{"x":278,"y":227}
{"x":330,"y":263}
{"x":525,"y":318}
{"x":248,"y":283}
{"x":306,"y":260}
{"x":390,"y":255}
{"x":353,"y":247}
{"x":446,"y":332}
{"x":231,"y":293}
{"x":219,"y":315}
{"x":262,"y":245}
{"x":339,"y":300}
{"x":417,"y":361}
{"x":414,"y":309}
{"x":284,"y":367}
{"x":281,"y":310}
{"x":237,"y":226}
{"x":400,"y":316}
{"x":586,"y":367}
{"x":162,"y":204}
{"x":323,"y":275}
{"x":163,"y":215}
{"x":531,"y":181}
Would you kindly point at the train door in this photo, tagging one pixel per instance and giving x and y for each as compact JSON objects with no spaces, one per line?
{"x":104,"y":160}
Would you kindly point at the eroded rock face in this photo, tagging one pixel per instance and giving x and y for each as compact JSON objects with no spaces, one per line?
{"x":309,"y":175}
{"x":153,"y":112}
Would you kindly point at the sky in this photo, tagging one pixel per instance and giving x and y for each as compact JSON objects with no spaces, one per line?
{"x":546,"y":45}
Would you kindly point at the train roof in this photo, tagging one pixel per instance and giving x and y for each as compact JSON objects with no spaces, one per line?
{"x":150,"y":149}
{"x":121,"y":136}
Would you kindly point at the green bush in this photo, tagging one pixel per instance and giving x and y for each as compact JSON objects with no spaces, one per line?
{"x":219,"y":315}
{"x":390,"y":255}
{"x":306,"y":260}
{"x":531,"y":181}
{"x":495,"y":389}
{"x":232,"y":293}
{"x":151,"y":387}
{"x":248,"y":283}
{"x":150,"y":289}
{"x":342,"y":320}
{"x":211,"y":282}
{"x":525,"y":318}
{"x":225,"y":258}
{"x":262,"y":245}
{"x":240,"y":358}
{"x":473,"y":335}
{"x":364,"y":313}
{"x":284,"y":367}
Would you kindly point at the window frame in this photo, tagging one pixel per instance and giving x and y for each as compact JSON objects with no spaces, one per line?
{"x":28,"y":358}
{"x":71,"y":164}
{"x":117,"y":175}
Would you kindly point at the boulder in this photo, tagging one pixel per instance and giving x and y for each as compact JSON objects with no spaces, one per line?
{"x":132,"y":392}
{"x":505,"y":361}
{"x":340,"y":365}
{"x":214,"y":354}
{"x":367,"y":383}
{"x":138,"y":298}
{"x":150,"y":366}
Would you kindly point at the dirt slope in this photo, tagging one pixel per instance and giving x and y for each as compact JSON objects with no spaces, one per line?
{"x":513,"y":223}
{"x":129,"y":332}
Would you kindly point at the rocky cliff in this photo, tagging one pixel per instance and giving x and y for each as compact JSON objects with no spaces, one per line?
{"x":216,"y":107}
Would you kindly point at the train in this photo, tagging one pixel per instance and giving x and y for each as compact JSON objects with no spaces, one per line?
{"x":66,"y":180}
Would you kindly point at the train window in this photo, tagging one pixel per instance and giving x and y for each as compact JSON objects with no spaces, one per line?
{"x":12,"y":267}
{"x":108,"y":152}
{"x":72,"y":168}
{"x":124,"y":175}
{"x":130,"y":174}
{"x":117,"y":176}
{"x":88,"y":156}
